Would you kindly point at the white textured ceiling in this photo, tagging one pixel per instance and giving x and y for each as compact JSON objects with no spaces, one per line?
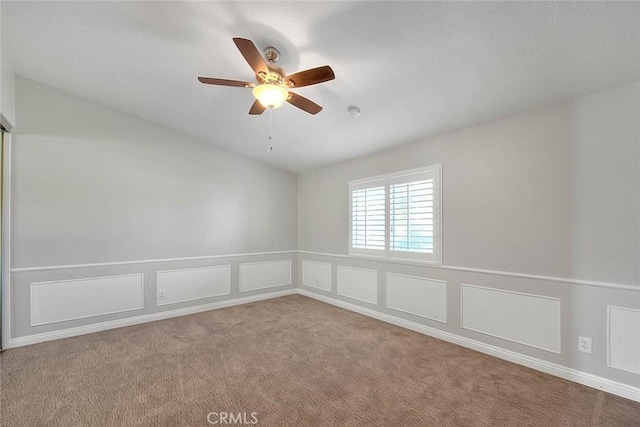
{"x":415,"y":69}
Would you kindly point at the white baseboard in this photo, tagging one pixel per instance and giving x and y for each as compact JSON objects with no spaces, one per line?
{"x":580,"y":377}
{"x":130,"y":321}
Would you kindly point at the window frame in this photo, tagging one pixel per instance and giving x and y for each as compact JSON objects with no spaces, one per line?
{"x":400,"y":177}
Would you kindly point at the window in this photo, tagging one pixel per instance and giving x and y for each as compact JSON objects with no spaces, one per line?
{"x":397,"y":215}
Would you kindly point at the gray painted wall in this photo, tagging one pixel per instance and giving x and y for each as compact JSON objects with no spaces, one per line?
{"x":91,"y":184}
{"x":551,"y":192}
{"x":555,"y":191}
{"x":7,"y":92}
{"x":95,"y":185}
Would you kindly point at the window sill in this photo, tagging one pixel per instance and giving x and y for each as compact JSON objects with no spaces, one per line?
{"x":394,"y":260}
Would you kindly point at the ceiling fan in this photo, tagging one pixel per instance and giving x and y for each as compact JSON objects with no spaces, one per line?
{"x":274,"y":86}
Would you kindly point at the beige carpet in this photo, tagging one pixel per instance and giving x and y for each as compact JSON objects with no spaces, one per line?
{"x":293,"y":361}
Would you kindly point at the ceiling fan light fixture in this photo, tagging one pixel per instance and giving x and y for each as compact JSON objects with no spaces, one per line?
{"x":273,"y":84}
{"x":270,"y":95}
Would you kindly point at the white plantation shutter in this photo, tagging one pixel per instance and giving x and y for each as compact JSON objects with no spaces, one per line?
{"x":368,"y":216}
{"x":413,"y":204}
{"x":411,"y":207}
{"x":397,"y":215}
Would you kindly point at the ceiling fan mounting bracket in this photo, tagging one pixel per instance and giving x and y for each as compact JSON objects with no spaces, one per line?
{"x":271,"y":54}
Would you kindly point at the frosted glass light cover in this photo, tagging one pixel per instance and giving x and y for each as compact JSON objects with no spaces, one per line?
{"x":270,"y":95}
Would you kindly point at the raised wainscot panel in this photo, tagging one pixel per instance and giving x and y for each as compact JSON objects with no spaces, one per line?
{"x":532,"y":320}
{"x":417,"y":295}
{"x":266,"y":274}
{"x":63,"y":300}
{"x":193,"y":284}
{"x":316,"y":274}
{"x":358,"y":283}
{"x":624,"y":339}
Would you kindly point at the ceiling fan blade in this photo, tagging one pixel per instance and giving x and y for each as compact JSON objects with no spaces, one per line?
{"x":311,"y":77}
{"x":224,"y":82}
{"x":257,"y":108}
{"x":252,"y":55}
{"x":303,"y":103}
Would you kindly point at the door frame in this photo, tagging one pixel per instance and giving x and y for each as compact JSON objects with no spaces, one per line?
{"x":6,"y":233}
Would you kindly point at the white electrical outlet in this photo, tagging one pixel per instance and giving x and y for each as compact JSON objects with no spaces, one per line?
{"x":584,"y":344}
{"x":160,"y":295}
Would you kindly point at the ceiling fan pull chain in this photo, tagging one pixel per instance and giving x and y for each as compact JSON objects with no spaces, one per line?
{"x":270,"y":128}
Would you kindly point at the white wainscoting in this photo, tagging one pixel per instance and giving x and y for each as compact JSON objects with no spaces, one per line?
{"x":316,"y":274}
{"x":62,"y":300}
{"x":193,"y":283}
{"x":417,"y":295}
{"x":265,"y":274}
{"x":527,"y":319}
{"x":358,"y":283}
{"x":623,"y":339}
